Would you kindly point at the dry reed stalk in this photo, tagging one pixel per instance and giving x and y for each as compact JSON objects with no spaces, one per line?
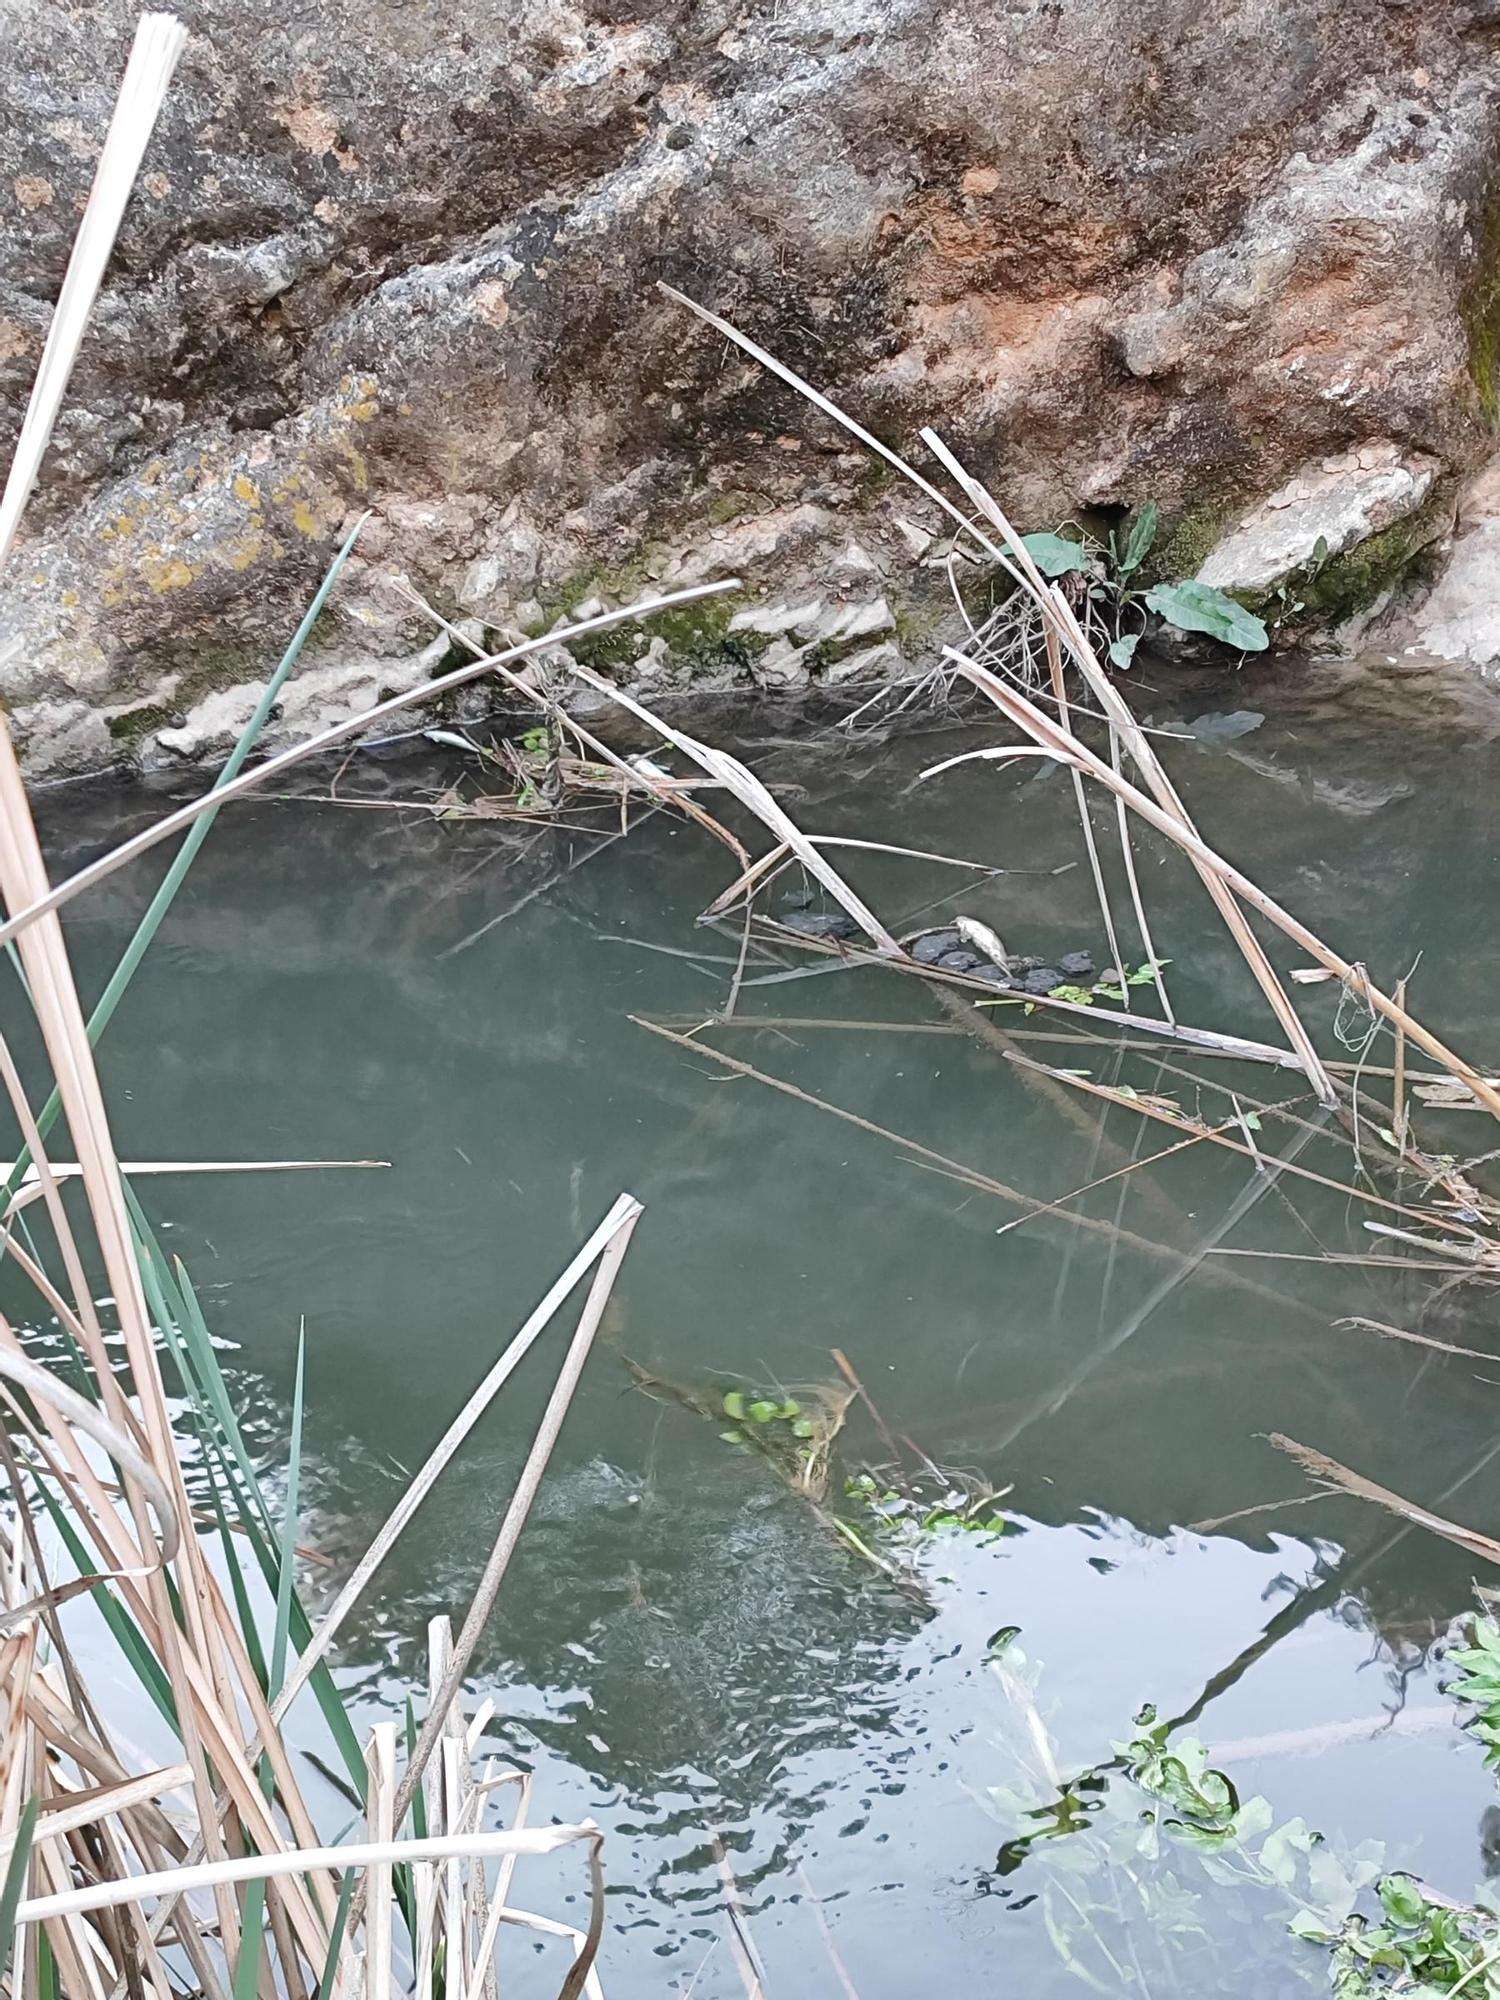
{"x":620,"y":1221}
{"x":362,"y":1854}
{"x":198,"y":1663}
{"x":1232,"y":879}
{"x":1219,"y":1136}
{"x":112,"y":1830}
{"x":159,"y":41}
{"x":1062,"y":622}
{"x":748,"y":789}
{"x":746,"y":1958}
{"x":1419,"y":1339}
{"x":339,"y":732}
{"x":925,"y":1156}
{"x":1339,"y":1477}
{"x":1016,"y":561}
{"x":1137,"y":901}
{"x":527,"y":1486}
{"x":1208,"y":1041}
{"x":612,"y":1234}
{"x":1080,"y":800}
{"x":381,"y":1821}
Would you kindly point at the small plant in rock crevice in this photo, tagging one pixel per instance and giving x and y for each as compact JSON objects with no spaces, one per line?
{"x":1104,"y":579}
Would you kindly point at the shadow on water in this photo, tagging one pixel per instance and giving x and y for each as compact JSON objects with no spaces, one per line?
{"x":681,"y":1649}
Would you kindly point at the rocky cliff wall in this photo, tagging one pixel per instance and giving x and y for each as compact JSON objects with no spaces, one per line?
{"x":1241,"y":257}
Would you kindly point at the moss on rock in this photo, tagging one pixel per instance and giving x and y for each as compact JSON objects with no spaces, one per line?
{"x":1359,"y":577}
{"x":1185,"y":542}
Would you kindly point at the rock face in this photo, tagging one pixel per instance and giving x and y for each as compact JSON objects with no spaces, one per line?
{"x":403,"y":257}
{"x":1459,"y":619}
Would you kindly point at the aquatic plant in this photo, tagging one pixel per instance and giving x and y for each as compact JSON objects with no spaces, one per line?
{"x":1123,"y":1844}
{"x":1477,"y":1685}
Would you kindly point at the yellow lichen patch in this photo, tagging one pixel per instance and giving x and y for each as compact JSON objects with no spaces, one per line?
{"x":32,"y":191}
{"x":304,"y":519}
{"x":359,"y":471}
{"x":169,"y":573}
{"x":240,"y":551}
{"x":246,"y":490}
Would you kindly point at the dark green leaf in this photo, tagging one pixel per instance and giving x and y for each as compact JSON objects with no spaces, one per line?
{"x":1139,"y":540}
{"x":1402,"y":1900}
{"x":15,"y":1878}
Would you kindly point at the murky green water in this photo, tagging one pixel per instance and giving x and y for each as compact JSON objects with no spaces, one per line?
{"x":682,"y":1649}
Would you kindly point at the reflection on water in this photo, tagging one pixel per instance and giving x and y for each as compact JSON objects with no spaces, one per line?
{"x":682,"y":1650}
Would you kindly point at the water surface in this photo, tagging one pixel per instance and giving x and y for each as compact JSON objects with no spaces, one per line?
{"x":682,"y":1650}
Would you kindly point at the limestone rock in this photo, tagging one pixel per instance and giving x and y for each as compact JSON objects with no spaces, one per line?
{"x":385,"y":257}
{"x":1460,"y":620}
{"x":1326,"y":509}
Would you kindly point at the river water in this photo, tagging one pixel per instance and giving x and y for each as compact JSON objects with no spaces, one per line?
{"x":682,"y":1649}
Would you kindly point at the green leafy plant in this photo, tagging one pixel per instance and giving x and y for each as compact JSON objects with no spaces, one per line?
{"x":1110,"y":1867}
{"x":1478,"y":1684}
{"x":1111,"y":569}
{"x":1198,"y":607}
{"x":1140,"y":975}
{"x":1417,"y":1948}
{"x":1059,"y":555}
{"x":925,"y":1509}
{"x":1128,"y":551}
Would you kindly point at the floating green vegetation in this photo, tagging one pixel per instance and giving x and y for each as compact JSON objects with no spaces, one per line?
{"x":1105,"y":989}
{"x":887,"y":1516}
{"x":910,"y":1516}
{"x":1148,"y":1838}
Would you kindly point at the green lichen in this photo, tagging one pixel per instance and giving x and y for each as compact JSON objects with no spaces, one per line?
{"x":1185,"y":542}
{"x":730,"y":505}
{"x":133,"y":725}
{"x":699,"y":639}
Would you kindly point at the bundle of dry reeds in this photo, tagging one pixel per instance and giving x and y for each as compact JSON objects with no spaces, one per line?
{"x":207,"y":1874}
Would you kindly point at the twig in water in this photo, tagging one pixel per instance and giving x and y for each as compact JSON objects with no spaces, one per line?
{"x":746,"y":1958}
{"x":1419,"y":1339}
{"x":846,"y":1369}
{"x":1332,"y":1474}
{"x":840,"y":1970}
